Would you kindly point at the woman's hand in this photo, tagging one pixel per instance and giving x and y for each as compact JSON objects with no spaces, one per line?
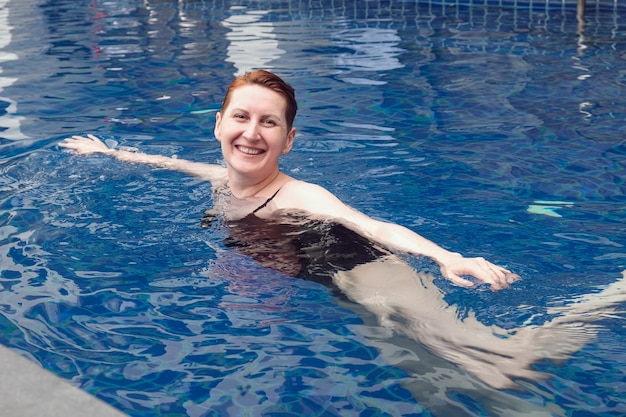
{"x":85,"y":145}
{"x":454,"y":268}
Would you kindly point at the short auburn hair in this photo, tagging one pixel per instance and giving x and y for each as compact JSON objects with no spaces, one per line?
{"x":269,"y":80}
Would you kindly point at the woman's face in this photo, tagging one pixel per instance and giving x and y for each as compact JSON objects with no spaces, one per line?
{"x":253,"y":131}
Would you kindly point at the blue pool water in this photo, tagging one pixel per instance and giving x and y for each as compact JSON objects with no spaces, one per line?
{"x":494,"y":130}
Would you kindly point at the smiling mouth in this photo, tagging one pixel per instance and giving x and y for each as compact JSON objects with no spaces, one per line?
{"x":249,"y":151}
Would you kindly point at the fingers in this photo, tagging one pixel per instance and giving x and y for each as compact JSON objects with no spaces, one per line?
{"x":84,"y":144}
{"x":88,"y":139}
{"x":500,"y":278}
{"x":461,"y":282}
{"x":493,"y":275}
{"x":69,"y":142}
{"x":496,"y":276}
{"x":78,"y":138}
{"x":511,"y":277}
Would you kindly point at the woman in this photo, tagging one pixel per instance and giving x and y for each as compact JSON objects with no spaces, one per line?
{"x":254,"y":128}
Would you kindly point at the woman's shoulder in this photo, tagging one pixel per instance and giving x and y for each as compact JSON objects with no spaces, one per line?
{"x":303,"y":189}
{"x":302,"y":195}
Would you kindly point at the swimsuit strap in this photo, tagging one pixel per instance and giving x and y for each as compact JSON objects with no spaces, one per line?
{"x":266,"y":202}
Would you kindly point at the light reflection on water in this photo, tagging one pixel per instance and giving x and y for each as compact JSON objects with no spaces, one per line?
{"x":446,"y":119}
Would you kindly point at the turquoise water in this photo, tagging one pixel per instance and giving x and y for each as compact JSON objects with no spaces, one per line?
{"x":495,"y":131}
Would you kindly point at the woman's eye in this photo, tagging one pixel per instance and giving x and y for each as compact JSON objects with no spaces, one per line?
{"x":269,"y":122}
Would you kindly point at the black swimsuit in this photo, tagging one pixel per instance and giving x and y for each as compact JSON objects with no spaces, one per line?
{"x":301,"y":247}
{"x":266,"y":202}
{"x":212,"y":214}
{"x":297,"y":245}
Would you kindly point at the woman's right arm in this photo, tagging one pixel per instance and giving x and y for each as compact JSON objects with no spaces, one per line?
{"x":87,"y":145}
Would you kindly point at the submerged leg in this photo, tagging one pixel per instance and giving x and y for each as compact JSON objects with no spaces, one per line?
{"x":586,"y":307}
{"x":411,"y":304}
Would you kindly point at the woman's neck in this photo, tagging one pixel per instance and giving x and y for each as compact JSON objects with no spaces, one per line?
{"x":242,"y":186}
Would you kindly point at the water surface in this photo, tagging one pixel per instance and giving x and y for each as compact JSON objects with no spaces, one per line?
{"x":495,"y":131}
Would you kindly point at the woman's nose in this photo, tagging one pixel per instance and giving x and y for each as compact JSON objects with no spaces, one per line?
{"x":252,"y":131}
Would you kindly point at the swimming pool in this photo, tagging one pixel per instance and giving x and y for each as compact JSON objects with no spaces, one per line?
{"x":495,"y":131}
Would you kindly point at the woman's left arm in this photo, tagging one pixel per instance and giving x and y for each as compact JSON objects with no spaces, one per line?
{"x":453,"y":265}
{"x":319,"y":201}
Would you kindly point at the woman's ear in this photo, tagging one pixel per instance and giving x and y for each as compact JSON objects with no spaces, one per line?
{"x":218,"y":126}
{"x":291,"y":137}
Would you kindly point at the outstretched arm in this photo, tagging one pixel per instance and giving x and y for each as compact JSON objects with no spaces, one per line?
{"x":317,"y":200}
{"x":87,"y":145}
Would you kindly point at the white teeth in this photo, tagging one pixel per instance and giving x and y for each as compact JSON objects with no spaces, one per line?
{"x":249,"y":151}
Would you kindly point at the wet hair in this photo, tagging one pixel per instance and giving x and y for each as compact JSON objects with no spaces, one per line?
{"x":268,"y":80}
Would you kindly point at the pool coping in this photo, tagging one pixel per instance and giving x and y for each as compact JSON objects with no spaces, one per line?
{"x":28,"y":390}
